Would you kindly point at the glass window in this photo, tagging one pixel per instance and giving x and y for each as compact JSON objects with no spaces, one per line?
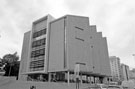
{"x":79,"y":39}
{"x":39,"y":33}
{"x":35,"y":35}
{"x":43,"y":41}
{"x":42,"y":51}
{"x":37,"y":64}
{"x":39,"y":42}
{"x":44,"y":31}
{"x":37,"y":53}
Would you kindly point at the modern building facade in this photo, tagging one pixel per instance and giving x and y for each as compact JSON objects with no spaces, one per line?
{"x":115,"y":68}
{"x":132,"y":74}
{"x":55,"y":46}
{"x":125,"y":72}
{"x":34,"y":51}
{"x":24,"y":57}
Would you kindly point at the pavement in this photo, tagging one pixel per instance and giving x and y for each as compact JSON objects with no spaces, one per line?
{"x":11,"y":83}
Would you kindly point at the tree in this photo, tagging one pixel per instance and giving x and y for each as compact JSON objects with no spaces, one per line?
{"x":10,"y":58}
{"x":11,"y":64}
{"x":1,"y":64}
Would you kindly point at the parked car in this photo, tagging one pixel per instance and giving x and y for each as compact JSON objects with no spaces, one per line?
{"x":103,"y":86}
{"x":115,"y":87}
{"x":98,"y":86}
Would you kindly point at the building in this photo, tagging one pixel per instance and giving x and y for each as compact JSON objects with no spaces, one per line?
{"x":132,"y":74}
{"x":115,"y":68}
{"x":24,"y":56}
{"x":34,"y":55}
{"x":125,"y":72}
{"x":55,"y":46}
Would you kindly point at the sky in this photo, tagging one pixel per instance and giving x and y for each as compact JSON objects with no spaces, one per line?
{"x":114,"y":18}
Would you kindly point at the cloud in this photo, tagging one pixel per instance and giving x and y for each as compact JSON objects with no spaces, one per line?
{"x":77,"y":6}
{"x":114,"y":18}
{"x":16,"y":18}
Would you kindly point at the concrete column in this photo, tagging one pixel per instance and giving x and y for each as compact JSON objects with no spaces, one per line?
{"x":94,"y":79}
{"x":81,"y":78}
{"x":49,"y":76}
{"x":68,"y":77}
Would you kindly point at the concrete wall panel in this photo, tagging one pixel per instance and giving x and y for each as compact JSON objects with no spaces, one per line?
{"x":77,"y":43}
{"x":56,"y":49}
{"x":95,"y":51}
{"x":106,"y":57}
{"x":24,"y":56}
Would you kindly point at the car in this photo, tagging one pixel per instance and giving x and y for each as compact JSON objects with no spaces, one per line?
{"x":103,"y":86}
{"x":115,"y":87}
{"x":98,"y":86}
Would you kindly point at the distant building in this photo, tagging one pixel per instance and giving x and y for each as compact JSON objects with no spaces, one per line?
{"x":132,"y":74}
{"x":115,"y":68}
{"x":54,"y":46}
{"x":125,"y":72}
